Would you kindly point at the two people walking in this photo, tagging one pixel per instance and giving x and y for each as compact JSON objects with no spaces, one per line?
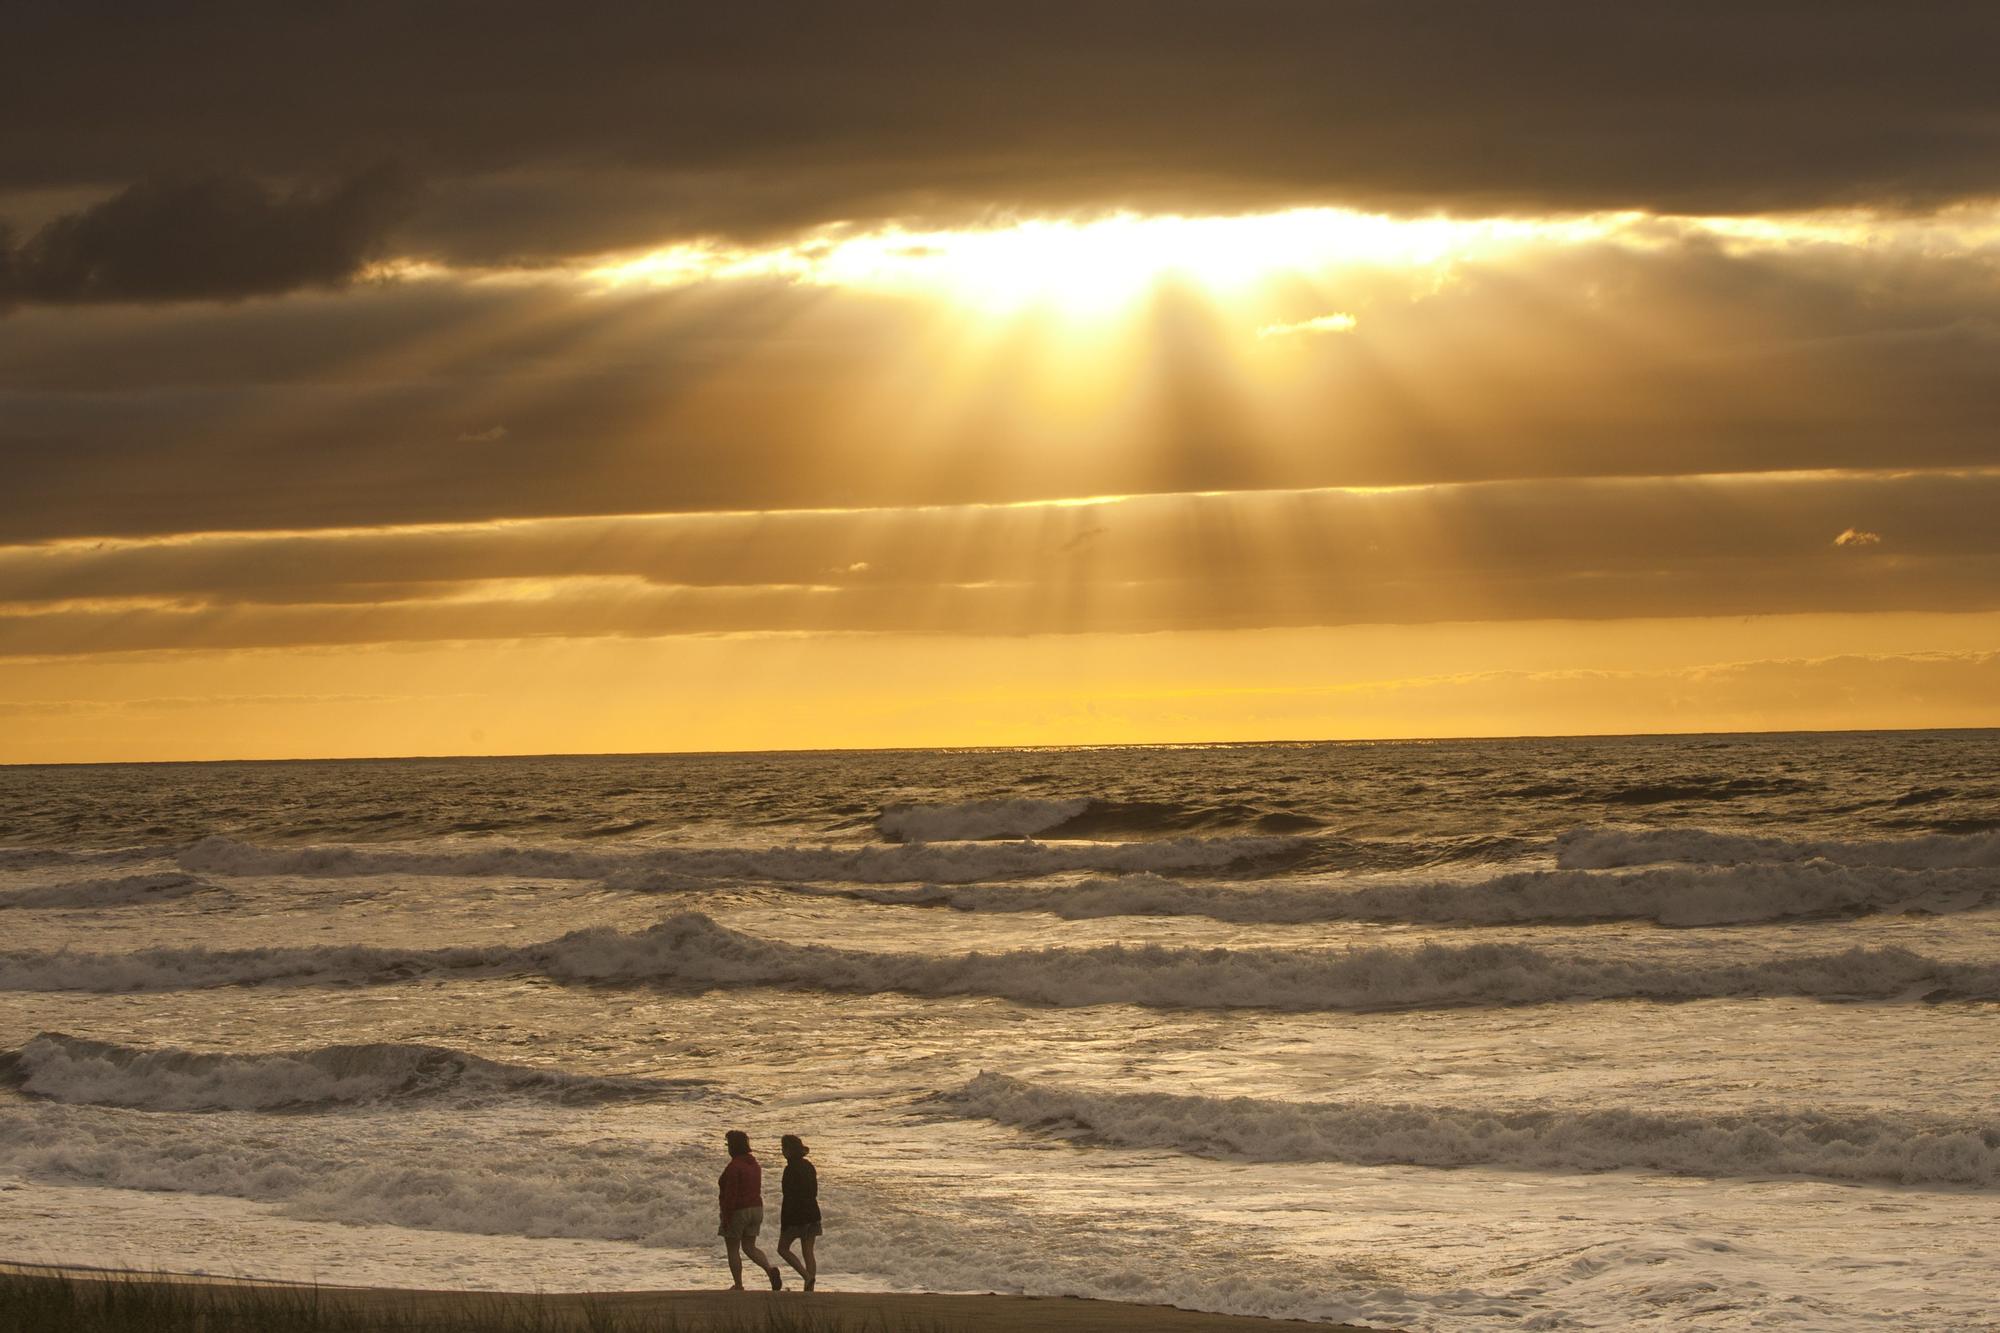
{"x":741,"y":1191}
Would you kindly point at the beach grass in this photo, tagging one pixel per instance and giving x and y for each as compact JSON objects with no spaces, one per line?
{"x":56,"y":1301}
{"x":44,"y":1299}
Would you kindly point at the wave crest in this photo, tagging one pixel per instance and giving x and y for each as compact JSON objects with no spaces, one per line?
{"x":1671,"y":896}
{"x":34,"y":858}
{"x":1608,"y":848}
{"x":955,"y":863}
{"x":59,"y":1067}
{"x":688,"y":949}
{"x":1079,"y":818}
{"x":967,"y":821}
{"x":124,"y":891}
{"x":1905,"y":1149}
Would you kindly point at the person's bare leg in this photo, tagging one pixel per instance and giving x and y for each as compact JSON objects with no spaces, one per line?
{"x":735,"y":1262}
{"x":811,"y":1269}
{"x":759,"y":1258}
{"x":785,"y":1253}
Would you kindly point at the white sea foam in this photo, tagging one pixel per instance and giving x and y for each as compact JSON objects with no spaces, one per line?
{"x":1670,"y":895}
{"x":485,"y":1179}
{"x":1903,"y":1148}
{"x":479,"y":1183}
{"x":123,"y":891}
{"x":956,"y":863}
{"x":968,"y":820}
{"x":1604,"y":848}
{"x":63,"y":1068}
{"x":688,"y":949}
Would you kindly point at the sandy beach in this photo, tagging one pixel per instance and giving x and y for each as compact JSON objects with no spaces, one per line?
{"x":683,"y":1310}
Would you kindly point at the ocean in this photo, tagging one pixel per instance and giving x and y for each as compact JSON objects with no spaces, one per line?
{"x":1541,"y":1034}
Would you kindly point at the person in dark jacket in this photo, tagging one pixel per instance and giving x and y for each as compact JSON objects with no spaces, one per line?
{"x":799,"y":1219}
{"x":742,"y":1204}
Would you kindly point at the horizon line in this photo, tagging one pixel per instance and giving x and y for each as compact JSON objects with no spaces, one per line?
{"x":971,"y":748}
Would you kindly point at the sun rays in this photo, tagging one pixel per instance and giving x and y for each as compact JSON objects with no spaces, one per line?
{"x":1060,"y":429}
{"x":1364,"y":346}
{"x":1050,"y":358}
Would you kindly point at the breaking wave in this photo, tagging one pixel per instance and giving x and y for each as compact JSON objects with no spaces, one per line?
{"x":954,"y":862}
{"x":1606,"y":848}
{"x":1671,"y":896}
{"x":1077,"y":818}
{"x":688,"y":949}
{"x":121,"y":892}
{"x":478,"y":1183}
{"x":972,"y":820}
{"x":59,"y":1067}
{"x":1905,"y":1149}
{"x":34,"y":858}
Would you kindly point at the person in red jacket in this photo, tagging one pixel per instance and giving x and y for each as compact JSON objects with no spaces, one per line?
{"x":742,"y":1202}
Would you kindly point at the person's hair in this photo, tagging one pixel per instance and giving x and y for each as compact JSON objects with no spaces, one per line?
{"x":738,"y":1141}
{"x":791,"y":1141}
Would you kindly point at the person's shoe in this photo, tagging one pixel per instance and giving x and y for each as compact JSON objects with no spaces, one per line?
{"x":777,"y":1279}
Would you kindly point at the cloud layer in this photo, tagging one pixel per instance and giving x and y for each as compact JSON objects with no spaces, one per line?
{"x":1606,"y":549}
{"x":631,"y":122}
{"x":1661,"y":351}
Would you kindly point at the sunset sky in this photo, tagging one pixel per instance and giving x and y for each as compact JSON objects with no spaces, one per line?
{"x":377,"y":380}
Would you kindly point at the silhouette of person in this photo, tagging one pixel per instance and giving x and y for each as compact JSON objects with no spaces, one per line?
{"x":798,"y":1217}
{"x":742,"y":1203}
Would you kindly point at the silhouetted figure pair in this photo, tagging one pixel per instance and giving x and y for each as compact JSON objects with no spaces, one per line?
{"x":741,"y":1200}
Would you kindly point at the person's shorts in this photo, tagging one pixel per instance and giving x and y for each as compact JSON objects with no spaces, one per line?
{"x":743,"y":1224}
{"x":788,"y":1234}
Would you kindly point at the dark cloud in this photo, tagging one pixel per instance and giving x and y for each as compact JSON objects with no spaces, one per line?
{"x":205,"y":237}
{"x":623,"y":123}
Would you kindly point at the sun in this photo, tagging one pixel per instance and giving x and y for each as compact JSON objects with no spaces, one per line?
{"x":1097,"y":267}
{"x":1082,"y":269}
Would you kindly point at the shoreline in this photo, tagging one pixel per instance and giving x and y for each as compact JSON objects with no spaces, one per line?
{"x":791,"y":1310}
